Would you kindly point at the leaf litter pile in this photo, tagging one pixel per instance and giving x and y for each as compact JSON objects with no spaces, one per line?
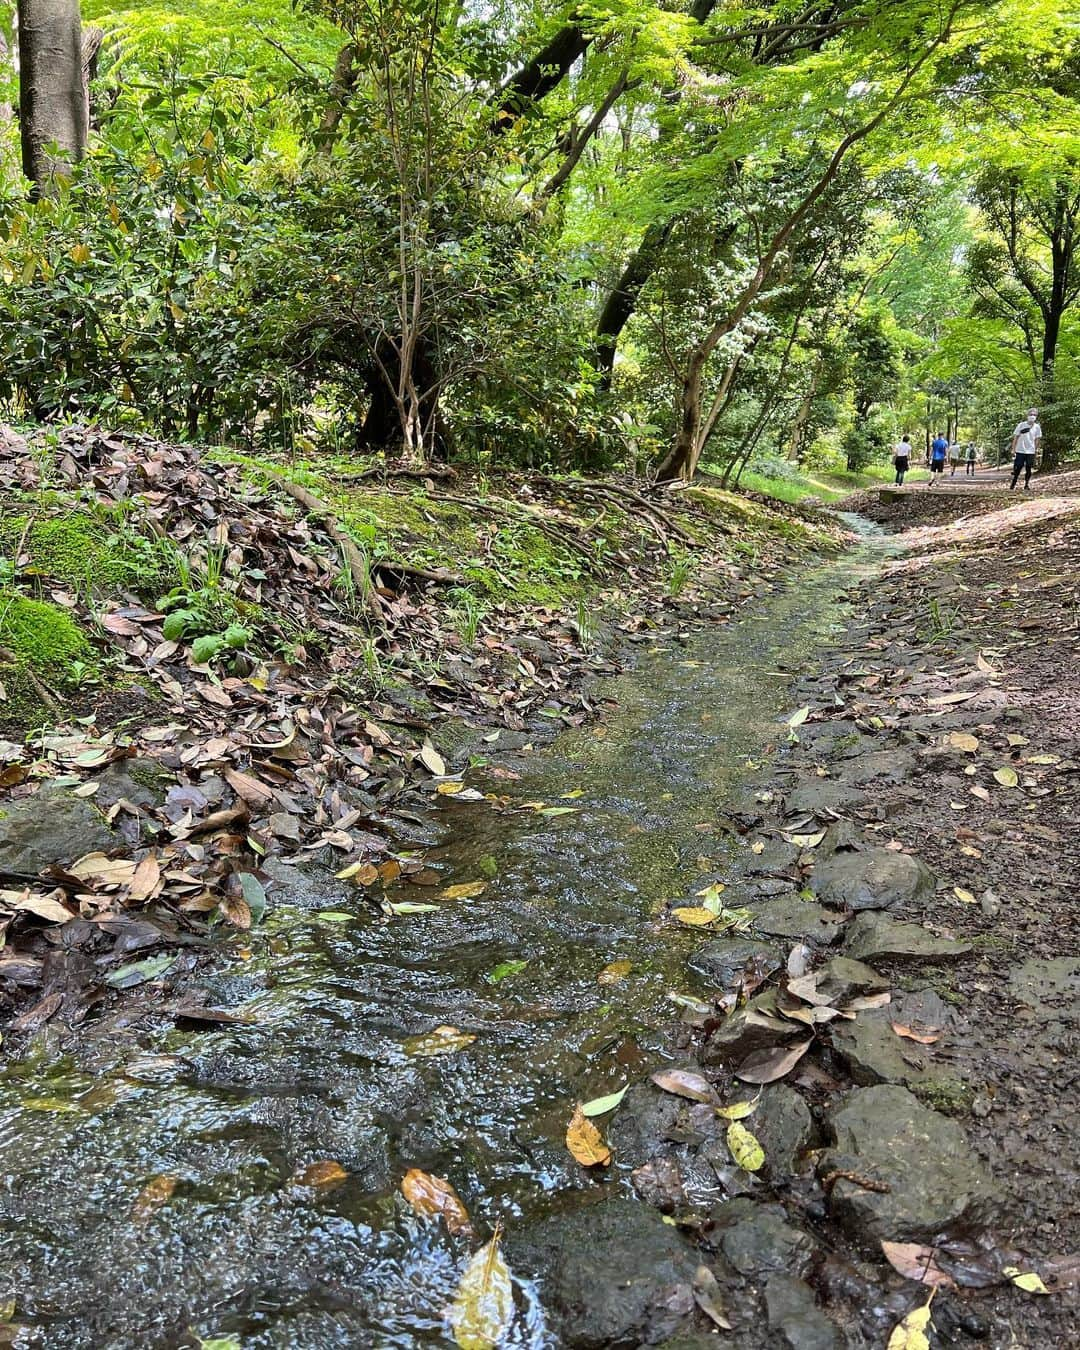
{"x":225,"y":703}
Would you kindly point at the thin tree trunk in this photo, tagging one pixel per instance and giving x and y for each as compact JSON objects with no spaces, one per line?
{"x":53,"y":101}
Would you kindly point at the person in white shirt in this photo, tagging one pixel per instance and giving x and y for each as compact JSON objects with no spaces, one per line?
{"x":902,"y":458}
{"x":1025,"y":446}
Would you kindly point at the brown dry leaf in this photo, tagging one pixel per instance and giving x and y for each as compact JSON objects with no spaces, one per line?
{"x":146,"y":881}
{"x":616,"y":971}
{"x":464,"y":890}
{"x":319,"y":1175}
{"x":585,"y":1141}
{"x":46,"y":907}
{"x":430,"y":758}
{"x":683,"y":1083}
{"x":249,"y":789}
{"x":981,"y":793}
{"x":235,"y":910}
{"x":916,"y":1262}
{"x":98,"y":870}
{"x":945,"y":700}
{"x":963,"y":740}
{"x":709,"y":1299}
{"x":432,"y":1196}
{"x":929,"y":1038}
{"x":156,"y":1193}
{"x":766,"y":1066}
{"x":363,"y":873}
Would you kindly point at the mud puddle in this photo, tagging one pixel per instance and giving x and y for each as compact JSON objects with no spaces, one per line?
{"x":149,"y":1197}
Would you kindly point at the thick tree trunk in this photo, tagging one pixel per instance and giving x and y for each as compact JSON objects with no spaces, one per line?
{"x":54,"y":108}
{"x":682,"y":459}
{"x":383,"y":429}
{"x":623,"y":299}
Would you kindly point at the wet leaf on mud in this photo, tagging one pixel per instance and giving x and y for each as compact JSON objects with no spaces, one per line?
{"x":234,"y":909}
{"x":139,"y":972}
{"x":758,"y":846}
{"x":806,"y":840}
{"x":441,"y":1041}
{"x":1006,"y":776}
{"x":318,"y":1175}
{"x":484,"y":1306}
{"x":558,"y":810}
{"x":945,"y":700}
{"x":504,"y":970}
{"x":980,"y":792}
{"x":745,"y":1149}
{"x":363,"y":873}
{"x":963,"y":740}
{"x":431,"y":1197}
{"x":694,"y":916}
{"x":600,"y":1106}
{"x":710,"y":897}
{"x":463,"y":890}
{"x":220,"y":1343}
{"x":46,"y":907}
{"x":616,"y":971}
{"x":738,"y":1110}
{"x":411,"y":907}
{"x":450,"y":789}
{"x":928,"y":1038}
{"x":430,"y":758}
{"x":334,"y":916}
{"x":572,"y":795}
{"x":1015,"y":739}
{"x":156,"y":1193}
{"x":1027,"y":1280}
{"x":683,"y":1083}
{"x":1043,"y":759}
{"x":769,"y":1065}
{"x":965,"y":896}
{"x":709,"y":1299}
{"x":910,"y":1334}
{"x":585,"y":1141}
{"x":916,"y":1262}
{"x":798,"y":718}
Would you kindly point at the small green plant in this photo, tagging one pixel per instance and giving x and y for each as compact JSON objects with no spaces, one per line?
{"x":940,"y":620}
{"x":679,"y":575}
{"x":468,"y":614}
{"x":584,"y":624}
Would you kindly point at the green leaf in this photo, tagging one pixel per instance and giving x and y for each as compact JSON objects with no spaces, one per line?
{"x":600,"y":1106}
{"x":139,"y":972}
{"x":503,"y":970}
{"x":205,"y":648}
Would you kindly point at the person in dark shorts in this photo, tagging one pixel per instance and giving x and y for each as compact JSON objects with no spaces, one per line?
{"x":902,"y":458}
{"x":938,"y":451}
{"x":969,"y":462}
{"x":1025,"y":446}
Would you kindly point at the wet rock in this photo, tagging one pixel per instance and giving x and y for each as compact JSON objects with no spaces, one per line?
{"x":644,"y":1123}
{"x":842,"y":836}
{"x":1039,"y":982}
{"x":874,"y":879}
{"x":880,"y":766}
{"x":886,"y":1135}
{"x":795,"y":918}
{"x":874,"y":935}
{"x":756,"y":1238}
{"x":824,"y":794}
{"x":755,"y":1026}
{"x":611,"y":1274}
{"x":795,"y":1318}
{"x":660,"y":1184}
{"x":784,"y":1128}
{"x":305,"y":887}
{"x":52,"y":826}
{"x":777,"y":856}
{"x":723,"y":961}
{"x":874,"y":1053}
{"x":141,"y":781}
{"x":841,"y":979}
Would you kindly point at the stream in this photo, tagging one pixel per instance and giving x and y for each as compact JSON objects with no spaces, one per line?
{"x":232,"y":1244}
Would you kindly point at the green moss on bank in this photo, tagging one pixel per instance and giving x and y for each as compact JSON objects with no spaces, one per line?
{"x":86,"y":550}
{"x":44,"y":635}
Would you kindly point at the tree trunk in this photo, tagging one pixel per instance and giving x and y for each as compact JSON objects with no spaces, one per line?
{"x":622,"y":300}
{"x":54,"y":105}
{"x":1053,"y":446}
{"x":682,"y":459}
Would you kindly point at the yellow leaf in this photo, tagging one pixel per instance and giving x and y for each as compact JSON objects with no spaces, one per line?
{"x":484,"y":1306}
{"x":464,"y":890}
{"x":745,"y":1149}
{"x":798,"y":718}
{"x":737,"y":1110}
{"x":320,"y":1175}
{"x":963,"y":740}
{"x":363,"y":873}
{"x":208,"y":141}
{"x":1028,"y":1281}
{"x":616,"y":971}
{"x":1043,"y":759}
{"x":585,"y":1141}
{"x":695,"y":917}
{"x":441,"y":1041}
{"x":965,"y":896}
{"x":573,"y":795}
{"x":910,"y":1334}
{"x":449,"y":789}
{"x":156,"y":1193}
{"x":1006,"y":777}
{"x":758,"y":846}
{"x":80,"y":253}
{"x":431,"y":1196}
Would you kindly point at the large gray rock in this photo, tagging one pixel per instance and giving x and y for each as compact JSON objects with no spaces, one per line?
{"x":879,"y":766}
{"x":874,"y":1053}
{"x":820,"y":795}
{"x":755,"y":1026}
{"x":784,"y":1128}
{"x":757,"y":1239}
{"x":795,"y":918}
{"x":935,"y":1184}
{"x":794,"y":1316}
{"x":611,"y":1274}
{"x":875,"y":879}
{"x":52,"y":826}
{"x":872,"y":935}
{"x":723,"y":961}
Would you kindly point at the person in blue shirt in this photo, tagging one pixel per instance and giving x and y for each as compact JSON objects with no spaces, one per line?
{"x":938,"y":451}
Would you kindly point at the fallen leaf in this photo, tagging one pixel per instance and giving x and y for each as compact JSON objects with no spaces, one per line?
{"x":709,"y":1299}
{"x":411,"y":907}
{"x":694,"y":916}
{"x":431,"y":760}
{"x":963,"y":740}
{"x":806,"y":840}
{"x":916,"y":1262}
{"x":798,"y":718}
{"x":683,"y":1083}
{"x":1006,"y":776}
{"x":965,"y":896}
{"x":910,"y":1334}
{"x":585,"y":1141}
{"x":156,"y":1193}
{"x":906,"y":1032}
{"x":464,"y":890}
{"x":484,"y":1307}
{"x":450,"y":789}
{"x":944,"y":700}
{"x":737,"y":1110}
{"x":981,"y":793}
{"x":766,"y":1066}
{"x":758,"y":846}
{"x":140,"y":972}
{"x":1028,"y":1281}
{"x":600,"y":1106}
{"x":504,"y":970}
{"x":1043,"y":759}
{"x":319,"y":1175}
{"x":46,"y":907}
{"x":1014,"y":739}
{"x":616,"y":971}
{"x":441,"y":1041}
{"x":235,"y":910}
{"x":146,"y":880}
{"x":431,"y":1197}
{"x":745,"y":1149}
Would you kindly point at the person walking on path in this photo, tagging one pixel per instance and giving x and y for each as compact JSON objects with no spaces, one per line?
{"x":938,"y":451}
{"x":954,"y":458}
{"x":969,"y":463}
{"x":902,"y":457}
{"x":1025,"y":446}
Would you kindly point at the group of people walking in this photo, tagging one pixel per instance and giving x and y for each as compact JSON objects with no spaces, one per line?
{"x":1025,"y":446}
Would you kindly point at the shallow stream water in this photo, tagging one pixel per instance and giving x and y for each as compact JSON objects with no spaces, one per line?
{"x":231,"y":1115}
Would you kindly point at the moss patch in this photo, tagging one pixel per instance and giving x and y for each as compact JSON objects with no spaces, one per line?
{"x":82,"y":549}
{"x":42,"y":634}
